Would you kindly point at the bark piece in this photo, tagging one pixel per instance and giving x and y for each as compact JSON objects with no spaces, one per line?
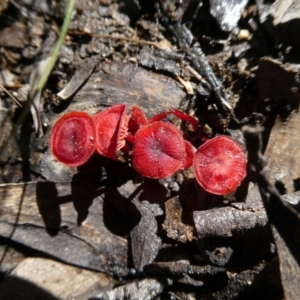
{"x":116,"y":83}
{"x":260,"y":282}
{"x":145,"y":242}
{"x":279,"y":82}
{"x":11,"y":257}
{"x":63,"y":281}
{"x":81,"y":75}
{"x":200,"y":63}
{"x":173,"y":224}
{"x":184,"y":275}
{"x":225,"y":221}
{"x":139,"y":204}
{"x":159,"y":60}
{"x":14,"y":36}
{"x":284,"y":139}
{"x":289,"y":266}
{"x":143,"y":290}
{"x":229,"y":220}
{"x":284,"y":218}
{"x":45,"y":217}
{"x":227,"y":12}
{"x":141,"y":217}
{"x":180,"y":268}
{"x":286,"y":20}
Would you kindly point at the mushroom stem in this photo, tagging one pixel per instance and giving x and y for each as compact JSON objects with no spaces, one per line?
{"x":179,"y":114}
{"x":137,"y":120}
{"x":159,"y":116}
{"x":185,"y":117}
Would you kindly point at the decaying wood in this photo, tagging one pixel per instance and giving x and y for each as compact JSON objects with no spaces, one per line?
{"x":251,"y":283}
{"x":80,"y":76}
{"x":184,"y":275}
{"x":199,"y":61}
{"x":180,"y":268}
{"x":143,"y":290}
{"x":45,"y":217}
{"x":83,"y":222}
{"x":173,"y":224}
{"x":63,"y":281}
{"x":158,"y":60}
{"x":227,"y":13}
{"x":284,"y":218}
{"x":284,"y":139}
{"x":279,"y":82}
{"x":226,"y":221}
{"x":114,"y":83}
{"x":145,"y":242}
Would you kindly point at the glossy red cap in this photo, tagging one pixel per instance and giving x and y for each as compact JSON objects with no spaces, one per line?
{"x":73,"y":137}
{"x":220,"y":165}
{"x":137,"y":120}
{"x":111,"y":130}
{"x":158,"y":150}
{"x":188,"y":159}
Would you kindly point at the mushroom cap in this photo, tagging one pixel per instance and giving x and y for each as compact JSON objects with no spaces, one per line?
{"x":188,"y":159}
{"x":72,"y":140}
{"x":137,"y":120}
{"x":111,"y":130}
{"x":158,"y":151}
{"x":220,"y":165}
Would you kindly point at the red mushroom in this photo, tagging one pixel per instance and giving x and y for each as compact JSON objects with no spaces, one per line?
{"x":179,"y":114}
{"x":159,"y":150}
{"x":111,"y":130}
{"x":188,"y":159}
{"x":73,"y":138}
{"x":137,"y":120}
{"x":185,"y":117}
{"x":220,"y":165}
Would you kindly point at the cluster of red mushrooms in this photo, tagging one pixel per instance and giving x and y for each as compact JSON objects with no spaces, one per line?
{"x":157,"y":148}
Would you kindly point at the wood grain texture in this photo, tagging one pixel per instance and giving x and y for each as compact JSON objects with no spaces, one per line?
{"x":59,"y":220}
{"x":127,"y":83}
{"x":226,"y":221}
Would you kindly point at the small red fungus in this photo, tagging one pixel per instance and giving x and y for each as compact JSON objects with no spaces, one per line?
{"x":159,"y":150}
{"x":73,"y":138}
{"x":111,"y":130}
{"x":179,"y":114}
{"x":137,"y":120}
{"x":220,"y":165}
{"x":189,"y":156}
{"x":185,"y":117}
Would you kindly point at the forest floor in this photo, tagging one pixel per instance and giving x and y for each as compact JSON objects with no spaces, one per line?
{"x":102,"y":231}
